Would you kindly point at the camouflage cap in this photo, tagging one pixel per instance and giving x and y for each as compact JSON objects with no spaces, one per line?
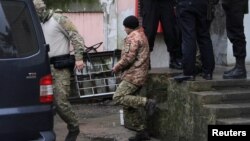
{"x":39,"y":5}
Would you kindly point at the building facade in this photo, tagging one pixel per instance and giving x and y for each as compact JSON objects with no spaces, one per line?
{"x":101,"y":21}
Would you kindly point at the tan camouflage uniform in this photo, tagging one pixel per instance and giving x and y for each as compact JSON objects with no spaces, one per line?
{"x":134,"y":65}
{"x":61,"y":87}
{"x":71,"y":33}
{"x":59,"y":33}
{"x":61,"y":77}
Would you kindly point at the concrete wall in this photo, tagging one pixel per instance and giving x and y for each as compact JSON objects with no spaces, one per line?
{"x":124,"y":9}
{"x":107,"y":27}
{"x":90,"y":26}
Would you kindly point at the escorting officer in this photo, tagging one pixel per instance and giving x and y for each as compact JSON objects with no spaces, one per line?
{"x":210,"y":18}
{"x":134,"y":65}
{"x":59,"y":32}
{"x":155,"y":11}
{"x":235,"y":10}
{"x":192,"y":15}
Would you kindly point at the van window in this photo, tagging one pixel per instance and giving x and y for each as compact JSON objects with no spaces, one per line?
{"x":17,"y":33}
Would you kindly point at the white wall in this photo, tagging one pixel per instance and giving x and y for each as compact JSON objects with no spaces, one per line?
{"x":89,"y":25}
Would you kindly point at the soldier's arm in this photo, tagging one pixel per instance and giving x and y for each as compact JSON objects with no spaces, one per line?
{"x":74,"y":37}
{"x":130,"y":51}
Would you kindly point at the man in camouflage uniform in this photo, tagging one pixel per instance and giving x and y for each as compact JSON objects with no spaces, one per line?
{"x":59,"y":31}
{"x":134,"y":65}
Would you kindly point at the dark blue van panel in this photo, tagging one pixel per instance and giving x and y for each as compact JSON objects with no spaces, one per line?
{"x":23,"y":62}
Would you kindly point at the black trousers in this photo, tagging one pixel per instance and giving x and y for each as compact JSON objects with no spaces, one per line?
{"x":154,"y":11}
{"x":234,"y":10}
{"x":194,"y":27}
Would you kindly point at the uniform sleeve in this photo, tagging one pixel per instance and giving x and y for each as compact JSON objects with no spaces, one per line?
{"x":75,"y":38}
{"x":128,"y":57}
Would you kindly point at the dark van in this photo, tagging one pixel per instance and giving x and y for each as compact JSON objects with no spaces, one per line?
{"x":26,"y":96}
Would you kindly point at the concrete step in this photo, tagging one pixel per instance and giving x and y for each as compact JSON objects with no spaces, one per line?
{"x":240,"y":95}
{"x":204,"y":85}
{"x":234,"y":121}
{"x":228,"y":110}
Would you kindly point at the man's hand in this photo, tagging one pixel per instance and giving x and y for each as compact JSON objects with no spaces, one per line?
{"x":113,"y":70}
{"x":79,"y":65}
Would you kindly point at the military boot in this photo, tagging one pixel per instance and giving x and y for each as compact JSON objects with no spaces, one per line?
{"x":180,"y":78}
{"x":72,"y":135}
{"x":175,"y":63}
{"x":140,"y":136}
{"x":238,"y":72}
{"x":150,"y":106}
{"x":229,"y":71}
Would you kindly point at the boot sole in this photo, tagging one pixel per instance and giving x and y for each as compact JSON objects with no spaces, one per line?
{"x":235,"y":77}
{"x":173,"y":67}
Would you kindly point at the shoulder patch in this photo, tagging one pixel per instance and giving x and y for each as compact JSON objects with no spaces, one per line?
{"x":127,"y":47}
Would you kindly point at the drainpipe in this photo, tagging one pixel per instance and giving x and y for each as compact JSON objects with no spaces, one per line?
{"x":106,"y":5}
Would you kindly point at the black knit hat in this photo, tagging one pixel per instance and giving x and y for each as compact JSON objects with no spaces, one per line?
{"x":131,"y":22}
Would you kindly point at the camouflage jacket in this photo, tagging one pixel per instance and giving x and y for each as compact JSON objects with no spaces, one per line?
{"x":59,"y":33}
{"x":134,"y":62}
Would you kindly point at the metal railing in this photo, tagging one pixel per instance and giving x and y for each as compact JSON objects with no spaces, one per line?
{"x":97,"y":79}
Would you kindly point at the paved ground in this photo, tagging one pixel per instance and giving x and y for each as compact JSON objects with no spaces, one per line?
{"x":98,"y":122}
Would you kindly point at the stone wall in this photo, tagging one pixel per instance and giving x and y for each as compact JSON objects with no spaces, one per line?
{"x":174,"y":118}
{"x":219,"y":36}
{"x":180,"y":116}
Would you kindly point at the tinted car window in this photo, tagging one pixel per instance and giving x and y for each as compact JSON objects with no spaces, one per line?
{"x":17,"y":33}
{"x":7,"y":49}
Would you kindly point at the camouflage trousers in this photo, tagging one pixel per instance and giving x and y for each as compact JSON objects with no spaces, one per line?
{"x":61,"y":87}
{"x":127,"y":95}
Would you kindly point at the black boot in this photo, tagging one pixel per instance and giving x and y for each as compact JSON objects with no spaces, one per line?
{"x":150,"y":106}
{"x":229,"y":71}
{"x":140,"y":136}
{"x":207,"y":76}
{"x":238,"y":72}
{"x":180,"y":78}
{"x":175,"y":63}
{"x":72,"y":135}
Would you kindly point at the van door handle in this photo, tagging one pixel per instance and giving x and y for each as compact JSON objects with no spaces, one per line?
{"x":47,"y":47}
